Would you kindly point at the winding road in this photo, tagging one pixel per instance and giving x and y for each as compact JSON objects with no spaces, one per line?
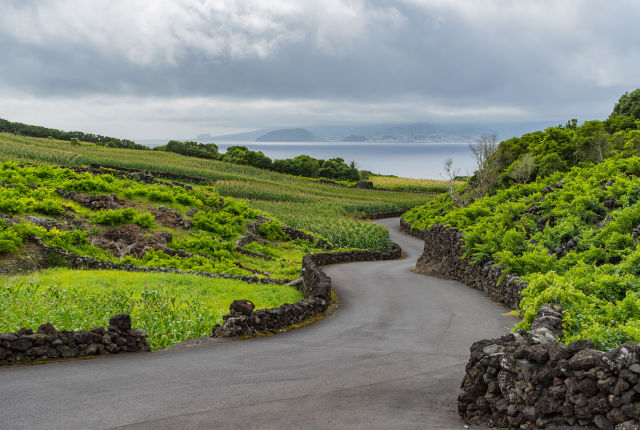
{"x":391,"y":357}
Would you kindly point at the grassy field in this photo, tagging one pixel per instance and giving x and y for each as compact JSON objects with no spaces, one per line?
{"x":316,"y":207}
{"x":169,"y":307}
{"x":409,"y":184}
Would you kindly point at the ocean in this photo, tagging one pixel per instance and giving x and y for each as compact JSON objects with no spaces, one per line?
{"x":408,"y":159}
{"x":411,"y":160}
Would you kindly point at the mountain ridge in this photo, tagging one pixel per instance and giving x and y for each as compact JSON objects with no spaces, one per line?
{"x":289,"y":135}
{"x":399,"y":132}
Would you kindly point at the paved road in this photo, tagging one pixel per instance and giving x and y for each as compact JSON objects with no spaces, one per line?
{"x":391,"y":356}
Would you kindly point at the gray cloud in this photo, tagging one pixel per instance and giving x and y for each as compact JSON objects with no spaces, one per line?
{"x":214,"y":65}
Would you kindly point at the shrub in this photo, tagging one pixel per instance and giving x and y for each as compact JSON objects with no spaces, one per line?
{"x":114,"y":217}
{"x":272,"y":231}
{"x":144,"y":220}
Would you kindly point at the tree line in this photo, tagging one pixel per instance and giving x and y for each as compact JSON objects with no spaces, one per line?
{"x":71,"y":136}
{"x":302,"y":165}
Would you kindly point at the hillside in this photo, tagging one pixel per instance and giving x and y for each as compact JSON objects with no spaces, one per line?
{"x":324,"y":209}
{"x":146,"y":232}
{"x":248,"y":136}
{"x":561,"y":209}
{"x":289,"y":135}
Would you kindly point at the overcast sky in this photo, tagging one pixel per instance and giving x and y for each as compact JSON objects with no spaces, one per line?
{"x":177,"y":68}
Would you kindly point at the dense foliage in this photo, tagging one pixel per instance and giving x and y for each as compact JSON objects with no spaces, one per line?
{"x":570,"y":231}
{"x":191,"y":149}
{"x":628,"y":105}
{"x":71,"y":136}
{"x":572,"y":236}
{"x":302,"y":165}
{"x":558,"y":149}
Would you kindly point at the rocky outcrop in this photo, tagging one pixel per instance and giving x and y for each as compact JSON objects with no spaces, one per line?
{"x":316,"y":289}
{"x":40,"y":221}
{"x":529,"y":379}
{"x":48,"y":343}
{"x":443,"y":257}
{"x":94,"y":202}
{"x":131,"y":239}
{"x":171,"y":218}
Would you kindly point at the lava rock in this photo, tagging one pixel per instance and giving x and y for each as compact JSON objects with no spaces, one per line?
{"x":121,"y":322}
{"x":244,"y":307}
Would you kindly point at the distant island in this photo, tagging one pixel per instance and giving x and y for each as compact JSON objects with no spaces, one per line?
{"x":354,"y":138}
{"x":289,"y":135}
{"x":380,"y":132}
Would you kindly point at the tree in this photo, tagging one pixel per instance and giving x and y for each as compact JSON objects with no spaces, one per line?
{"x":452,"y":173}
{"x":522,"y":169}
{"x":302,"y":165}
{"x":242,"y":155}
{"x":628,"y":104}
{"x":592,"y":141}
{"x":487,"y":174}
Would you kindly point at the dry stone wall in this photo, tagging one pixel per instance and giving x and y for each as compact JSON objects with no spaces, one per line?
{"x":316,"y":289}
{"x":530,"y":379}
{"x":443,"y":257}
{"x":47,"y":343}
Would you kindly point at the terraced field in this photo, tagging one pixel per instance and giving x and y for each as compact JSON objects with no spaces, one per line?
{"x":324,"y":209}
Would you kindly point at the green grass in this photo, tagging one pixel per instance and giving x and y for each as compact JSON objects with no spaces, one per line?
{"x":298,"y":202}
{"x":169,"y":307}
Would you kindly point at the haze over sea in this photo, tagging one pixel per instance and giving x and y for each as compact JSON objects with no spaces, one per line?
{"x":411,"y":159}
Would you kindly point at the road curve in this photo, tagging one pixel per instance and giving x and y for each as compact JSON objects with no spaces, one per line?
{"x":391,"y":356}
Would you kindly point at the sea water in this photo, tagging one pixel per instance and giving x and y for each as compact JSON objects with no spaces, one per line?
{"x":410,"y":159}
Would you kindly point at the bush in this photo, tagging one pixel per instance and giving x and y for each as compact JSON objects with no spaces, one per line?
{"x":272,"y":231}
{"x":114,"y":217}
{"x":145,"y":220}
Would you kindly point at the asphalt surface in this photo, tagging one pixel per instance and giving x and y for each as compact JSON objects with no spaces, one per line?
{"x":391,"y":357}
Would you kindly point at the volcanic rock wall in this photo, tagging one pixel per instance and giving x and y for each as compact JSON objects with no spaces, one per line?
{"x":530,"y":379}
{"x":47,"y":343}
{"x":442,"y":257}
{"x":316,"y":289}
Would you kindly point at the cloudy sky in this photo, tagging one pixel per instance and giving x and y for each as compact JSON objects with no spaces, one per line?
{"x":177,"y":68}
